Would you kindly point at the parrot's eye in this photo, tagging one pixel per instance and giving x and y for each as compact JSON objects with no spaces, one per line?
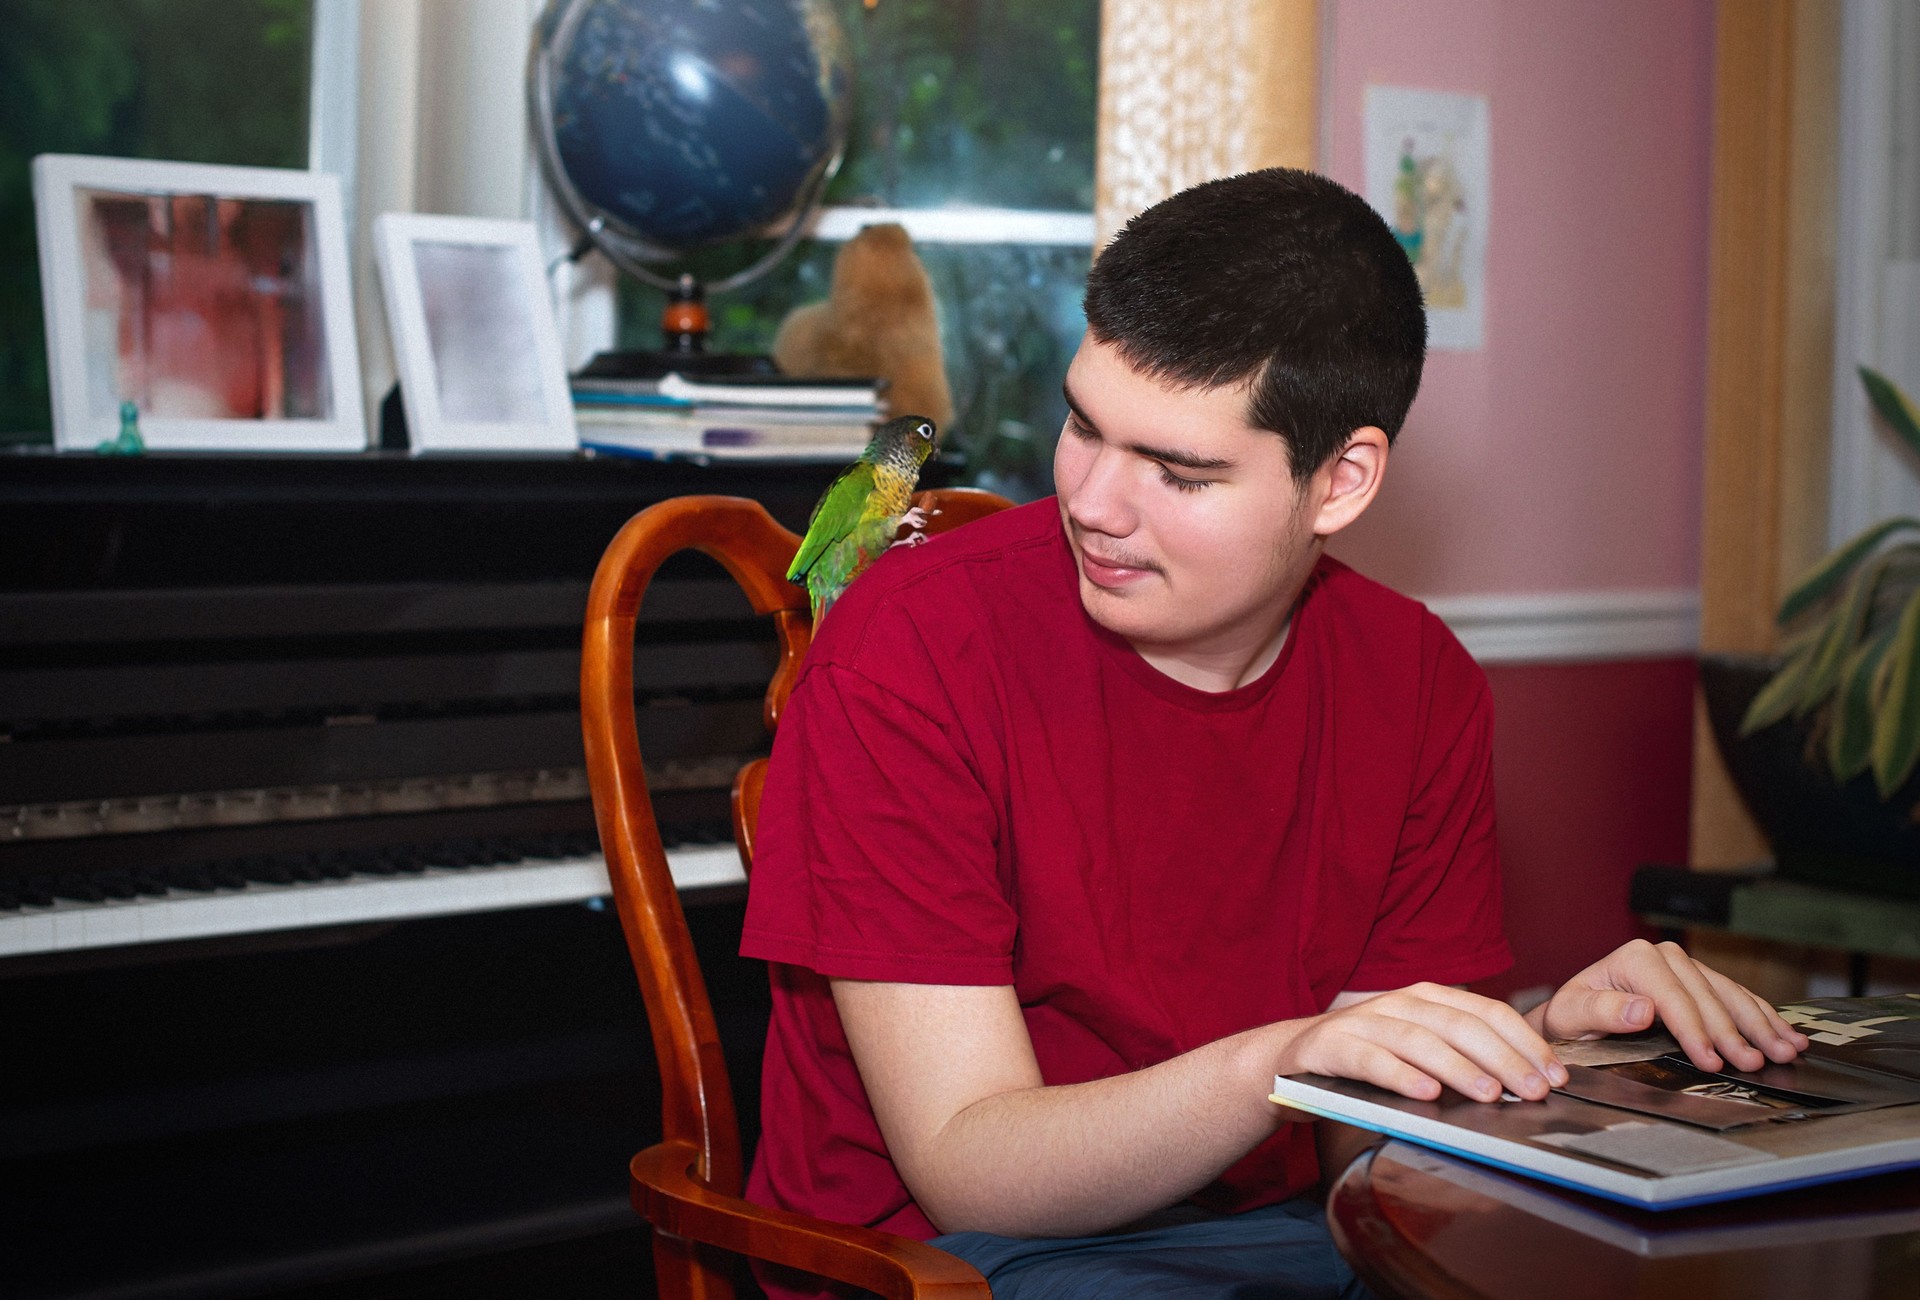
{"x":925,"y":431}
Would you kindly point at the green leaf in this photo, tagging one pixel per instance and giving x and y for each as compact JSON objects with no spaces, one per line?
{"x":1840,"y":634}
{"x":1894,"y":406}
{"x":1800,"y":642}
{"x":1827,"y":574}
{"x":1850,"y":738}
{"x":1896,"y":733}
{"x":1779,"y":697}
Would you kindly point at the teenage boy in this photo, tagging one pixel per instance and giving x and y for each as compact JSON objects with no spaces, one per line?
{"x":1086,"y":821}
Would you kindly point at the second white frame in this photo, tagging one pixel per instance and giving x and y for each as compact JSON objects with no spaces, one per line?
{"x":431,"y":427}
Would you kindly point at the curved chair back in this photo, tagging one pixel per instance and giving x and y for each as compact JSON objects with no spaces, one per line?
{"x":688,"y":1187}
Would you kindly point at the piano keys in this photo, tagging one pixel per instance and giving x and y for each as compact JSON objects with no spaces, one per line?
{"x":251,"y":907}
{"x":248,"y":694}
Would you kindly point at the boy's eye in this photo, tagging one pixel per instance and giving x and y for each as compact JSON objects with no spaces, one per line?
{"x":1080,"y":430}
{"x":1174,"y":481}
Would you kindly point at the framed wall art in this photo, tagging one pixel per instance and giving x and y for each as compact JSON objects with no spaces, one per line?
{"x":1428,"y":175}
{"x":473,"y":332}
{"x":215,"y":299}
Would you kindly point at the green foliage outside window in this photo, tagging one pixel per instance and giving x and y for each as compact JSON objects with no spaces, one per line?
{"x":979,"y":102}
{"x":986,"y":102}
{"x":216,"y":81}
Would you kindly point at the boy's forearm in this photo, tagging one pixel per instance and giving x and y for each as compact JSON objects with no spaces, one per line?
{"x":1083,"y":1158}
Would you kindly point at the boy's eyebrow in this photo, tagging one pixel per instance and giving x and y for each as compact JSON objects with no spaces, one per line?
{"x":1171,"y":455}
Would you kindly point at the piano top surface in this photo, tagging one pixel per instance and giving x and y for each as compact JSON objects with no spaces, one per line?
{"x":86,"y":523}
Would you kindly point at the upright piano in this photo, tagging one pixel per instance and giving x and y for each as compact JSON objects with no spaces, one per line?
{"x":304,"y":968}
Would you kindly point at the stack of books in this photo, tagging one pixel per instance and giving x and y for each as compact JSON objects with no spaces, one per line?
{"x":739,"y":417}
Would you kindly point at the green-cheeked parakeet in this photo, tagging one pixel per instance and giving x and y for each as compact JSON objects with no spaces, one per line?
{"x":857,"y":517}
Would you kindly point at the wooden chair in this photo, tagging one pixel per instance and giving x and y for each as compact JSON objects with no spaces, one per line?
{"x":688,"y":1186}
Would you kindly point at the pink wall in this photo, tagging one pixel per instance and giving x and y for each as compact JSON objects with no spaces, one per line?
{"x":1566,"y":454}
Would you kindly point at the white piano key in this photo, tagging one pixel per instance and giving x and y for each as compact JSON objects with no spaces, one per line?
{"x":435,"y":892}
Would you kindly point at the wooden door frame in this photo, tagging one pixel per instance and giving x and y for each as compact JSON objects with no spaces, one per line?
{"x":1769,"y":381}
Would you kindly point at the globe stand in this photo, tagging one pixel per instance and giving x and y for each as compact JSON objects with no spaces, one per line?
{"x":691,"y":123}
{"x":684,"y":327}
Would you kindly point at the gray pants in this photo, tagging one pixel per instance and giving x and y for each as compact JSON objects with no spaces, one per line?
{"x":1282,"y":1252}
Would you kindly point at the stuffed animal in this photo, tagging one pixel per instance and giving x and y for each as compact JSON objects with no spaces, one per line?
{"x":878,"y":320}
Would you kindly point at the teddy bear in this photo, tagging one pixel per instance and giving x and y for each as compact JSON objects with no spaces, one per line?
{"x":879,"y":320}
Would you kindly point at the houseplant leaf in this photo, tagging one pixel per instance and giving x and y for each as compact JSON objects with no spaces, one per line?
{"x":1850,"y":738}
{"x":1829,"y":573}
{"x":1893,"y":405}
{"x":1780,"y":696}
{"x":1896,"y":735}
{"x":1840,"y":634}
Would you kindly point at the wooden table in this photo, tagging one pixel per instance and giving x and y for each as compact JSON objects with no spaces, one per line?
{"x":1418,"y":1225}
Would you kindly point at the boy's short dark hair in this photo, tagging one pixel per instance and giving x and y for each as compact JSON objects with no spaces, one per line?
{"x":1279,"y":276}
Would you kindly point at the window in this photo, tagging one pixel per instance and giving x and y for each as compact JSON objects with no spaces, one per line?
{"x":221,"y":81}
{"x":1877,"y":262}
{"x":973,"y":127}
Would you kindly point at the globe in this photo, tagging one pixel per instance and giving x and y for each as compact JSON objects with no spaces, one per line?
{"x":667,"y":126}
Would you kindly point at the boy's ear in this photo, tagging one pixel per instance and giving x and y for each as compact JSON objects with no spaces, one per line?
{"x":1347,"y":484}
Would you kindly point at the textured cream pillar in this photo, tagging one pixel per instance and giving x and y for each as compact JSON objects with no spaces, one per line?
{"x":1191,"y":90}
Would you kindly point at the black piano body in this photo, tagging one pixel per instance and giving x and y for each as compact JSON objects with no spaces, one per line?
{"x":303,"y":967}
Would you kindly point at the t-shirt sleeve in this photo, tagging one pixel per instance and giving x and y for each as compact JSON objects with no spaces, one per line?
{"x":1439,"y":916}
{"x":877,"y":852}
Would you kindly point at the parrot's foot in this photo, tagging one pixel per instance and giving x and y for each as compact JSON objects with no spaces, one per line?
{"x":916,"y":519}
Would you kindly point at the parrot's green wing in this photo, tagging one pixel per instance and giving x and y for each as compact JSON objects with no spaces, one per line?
{"x":834,"y":516}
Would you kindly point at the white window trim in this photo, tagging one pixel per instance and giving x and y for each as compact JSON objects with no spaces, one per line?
{"x":333,"y":110}
{"x":961,"y":225}
{"x":1877,"y":299}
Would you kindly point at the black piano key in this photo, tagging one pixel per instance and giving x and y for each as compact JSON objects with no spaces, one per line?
{"x":37,"y":891}
{"x":267,"y":870}
{"x":78,"y":887}
{"x":194,"y":877}
{"x":115,"y":884}
{"x":305,"y":868}
{"x":10,"y":899}
{"x":227,"y":875}
{"x":150,"y":881}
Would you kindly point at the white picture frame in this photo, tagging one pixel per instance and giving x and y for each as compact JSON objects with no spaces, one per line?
{"x":217,"y":299}
{"x":474,"y":338}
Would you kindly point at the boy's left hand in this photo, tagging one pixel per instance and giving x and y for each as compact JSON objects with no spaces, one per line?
{"x":1715,"y":1021}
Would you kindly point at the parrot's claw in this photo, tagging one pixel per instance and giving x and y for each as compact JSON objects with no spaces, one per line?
{"x":916,"y":518}
{"x":911,"y":539}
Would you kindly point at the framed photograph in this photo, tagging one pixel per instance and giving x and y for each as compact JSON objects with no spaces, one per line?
{"x":473,"y":334}
{"x":1427,"y":174}
{"x":215,"y":299}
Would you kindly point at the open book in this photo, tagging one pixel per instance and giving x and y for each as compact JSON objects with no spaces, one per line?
{"x":1637,"y":1123}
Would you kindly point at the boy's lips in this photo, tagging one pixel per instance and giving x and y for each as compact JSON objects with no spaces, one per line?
{"x":1103,"y":571}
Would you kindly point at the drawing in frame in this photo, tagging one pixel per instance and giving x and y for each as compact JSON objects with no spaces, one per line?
{"x":474,"y":339}
{"x":216,"y":299}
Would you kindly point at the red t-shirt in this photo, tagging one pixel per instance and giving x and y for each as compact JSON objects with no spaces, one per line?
{"x":975,"y":783}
